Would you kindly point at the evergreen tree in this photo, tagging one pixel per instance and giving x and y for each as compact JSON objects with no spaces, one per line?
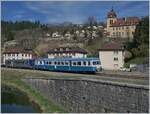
{"x":140,"y":45}
{"x":141,"y":35}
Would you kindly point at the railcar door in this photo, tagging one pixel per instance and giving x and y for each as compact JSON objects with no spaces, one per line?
{"x":70,"y":64}
{"x":55,"y":63}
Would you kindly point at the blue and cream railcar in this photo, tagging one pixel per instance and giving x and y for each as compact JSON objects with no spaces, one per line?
{"x":68,"y":64}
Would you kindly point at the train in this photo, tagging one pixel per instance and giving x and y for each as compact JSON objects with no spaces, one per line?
{"x":79,"y":65}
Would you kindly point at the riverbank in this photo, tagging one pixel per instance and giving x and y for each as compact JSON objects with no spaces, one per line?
{"x":13,"y":78}
{"x":14,"y":100}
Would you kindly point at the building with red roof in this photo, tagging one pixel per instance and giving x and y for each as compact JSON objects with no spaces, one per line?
{"x":72,"y":52}
{"x":17,"y":54}
{"x":121,"y":27}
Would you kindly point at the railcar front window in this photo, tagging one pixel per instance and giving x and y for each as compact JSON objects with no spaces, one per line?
{"x":98,"y":62}
{"x":94,"y":63}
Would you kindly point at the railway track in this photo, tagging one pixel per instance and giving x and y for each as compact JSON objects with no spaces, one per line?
{"x":100,"y":74}
{"x":140,"y":77}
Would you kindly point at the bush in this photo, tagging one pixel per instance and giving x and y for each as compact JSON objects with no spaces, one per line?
{"x":137,"y":60}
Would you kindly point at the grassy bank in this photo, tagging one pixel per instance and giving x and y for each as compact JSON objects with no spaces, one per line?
{"x":13,"y":78}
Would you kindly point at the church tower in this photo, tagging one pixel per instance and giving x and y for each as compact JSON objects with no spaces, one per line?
{"x":111,"y":18}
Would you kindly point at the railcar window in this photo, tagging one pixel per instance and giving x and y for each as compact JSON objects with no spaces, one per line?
{"x":74,"y":63}
{"x":55,"y":62}
{"x":84,"y":63}
{"x":58,"y":63}
{"x":89,"y":63}
{"x":66,"y":63}
{"x":62,"y":63}
{"x":50,"y":63}
{"x":47,"y":63}
{"x":94,"y":63}
{"x":79,"y":63}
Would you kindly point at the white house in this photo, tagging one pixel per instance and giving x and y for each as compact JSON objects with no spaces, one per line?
{"x":112,"y":56}
{"x":83,"y":31}
{"x":73,"y":52}
{"x":94,"y":27}
{"x":100,"y":27}
{"x":56,"y":35}
{"x":68,"y":35}
{"x":77,"y":32}
{"x":16,"y":54}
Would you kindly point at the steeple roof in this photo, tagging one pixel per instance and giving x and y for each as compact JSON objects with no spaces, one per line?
{"x":111,"y":14}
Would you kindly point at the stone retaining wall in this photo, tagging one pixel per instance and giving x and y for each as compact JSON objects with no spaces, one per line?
{"x":88,"y":95}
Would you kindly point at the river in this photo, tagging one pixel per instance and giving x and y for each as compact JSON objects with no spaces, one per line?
{"x":14,"y":101}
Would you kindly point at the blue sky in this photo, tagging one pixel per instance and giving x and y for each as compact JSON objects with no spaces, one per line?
{"x":72,"y":11}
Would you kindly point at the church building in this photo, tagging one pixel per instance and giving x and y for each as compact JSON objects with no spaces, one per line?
{"x":121,"y":27}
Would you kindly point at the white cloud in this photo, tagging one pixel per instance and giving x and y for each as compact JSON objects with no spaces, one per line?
{"x":38,"y":7}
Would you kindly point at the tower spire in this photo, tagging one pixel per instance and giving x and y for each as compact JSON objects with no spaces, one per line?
{"x":112,"y":9}
{"x":112,"y":13}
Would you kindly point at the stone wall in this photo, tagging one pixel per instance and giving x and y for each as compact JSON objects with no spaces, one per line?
{"x":89,"y":95}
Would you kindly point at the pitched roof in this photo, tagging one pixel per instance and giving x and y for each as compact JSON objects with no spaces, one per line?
{"x":68,"y":50}
{"x":66,"y":59}
{"x":17,"y":50}
{"x":128,"y":21}
{"x":111,"y":46}
{"x":111,"y":14}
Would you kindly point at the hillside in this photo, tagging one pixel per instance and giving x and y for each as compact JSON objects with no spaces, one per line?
{"x":41,"y":38}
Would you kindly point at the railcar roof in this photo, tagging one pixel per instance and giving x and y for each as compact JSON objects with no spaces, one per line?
{"x":67,"y":59}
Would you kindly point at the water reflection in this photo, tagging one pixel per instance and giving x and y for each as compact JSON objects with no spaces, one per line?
{"x":17,"y":102}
